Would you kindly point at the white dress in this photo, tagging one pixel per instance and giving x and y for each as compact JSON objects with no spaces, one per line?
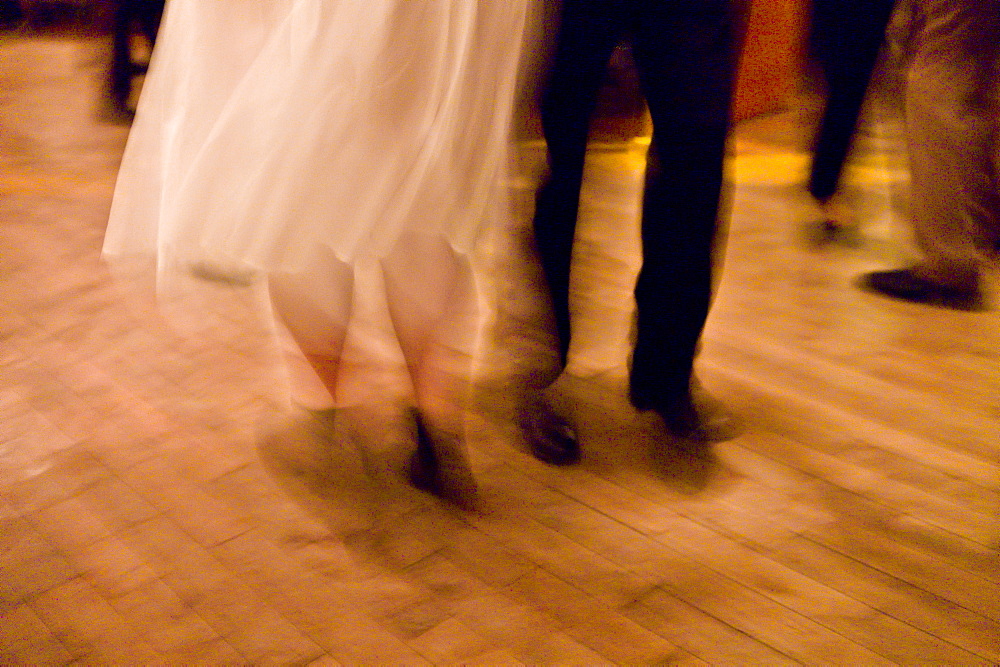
{"x":267,"y":129}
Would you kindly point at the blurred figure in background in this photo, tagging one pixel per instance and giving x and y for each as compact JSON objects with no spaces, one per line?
{"x":952,"y":121}
{"x":685,"y":56}
{"x":10,"y":13}
{"x":846,"y":38}
{"x":126,"y":16}
{"x":298,"y":138}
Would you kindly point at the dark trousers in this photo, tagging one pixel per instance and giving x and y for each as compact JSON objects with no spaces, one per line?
{"x":846,"y":38}
{"x":127,"y":13}
{"x":684,"y":53}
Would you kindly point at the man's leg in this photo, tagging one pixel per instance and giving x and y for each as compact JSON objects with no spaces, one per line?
{"x":589,"y":32}
{"x":848,"y":37}
{"x":121,"y":69}
{"x":685,"y":55}
{"x":950,"y":123}
{"x":951,"y":119}
{"x":150,"y":12}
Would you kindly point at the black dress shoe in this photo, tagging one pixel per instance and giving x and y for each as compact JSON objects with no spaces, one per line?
{"x":907,"y":285}
{"x":696,"y":418}
{"x":690,"y":423}
{"x":550,"y":437}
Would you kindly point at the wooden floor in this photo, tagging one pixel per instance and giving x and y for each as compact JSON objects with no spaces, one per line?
{"x":147,"y":520}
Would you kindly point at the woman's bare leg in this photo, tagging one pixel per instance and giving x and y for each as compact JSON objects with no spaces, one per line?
{"x":314,"y":305}
{"x":431,"y":299}
{"x":303,"y":449}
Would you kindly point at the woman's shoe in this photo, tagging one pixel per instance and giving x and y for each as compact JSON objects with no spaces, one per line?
{"x":438,"y":466}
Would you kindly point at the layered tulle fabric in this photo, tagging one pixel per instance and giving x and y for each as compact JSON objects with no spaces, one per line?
{"x":270,"y":129}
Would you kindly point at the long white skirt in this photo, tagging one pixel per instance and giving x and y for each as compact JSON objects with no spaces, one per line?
{"x":270,"y":130}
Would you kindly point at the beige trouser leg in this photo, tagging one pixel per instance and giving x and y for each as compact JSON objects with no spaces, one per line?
{"x":951,"y":119}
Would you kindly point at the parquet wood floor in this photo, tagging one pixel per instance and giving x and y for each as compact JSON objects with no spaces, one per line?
{"x":146,"y":520}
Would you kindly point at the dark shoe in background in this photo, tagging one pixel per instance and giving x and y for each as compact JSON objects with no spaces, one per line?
{"x":837,"y":224}
{"x":824,"y":233}
{"x":908,"y":285}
